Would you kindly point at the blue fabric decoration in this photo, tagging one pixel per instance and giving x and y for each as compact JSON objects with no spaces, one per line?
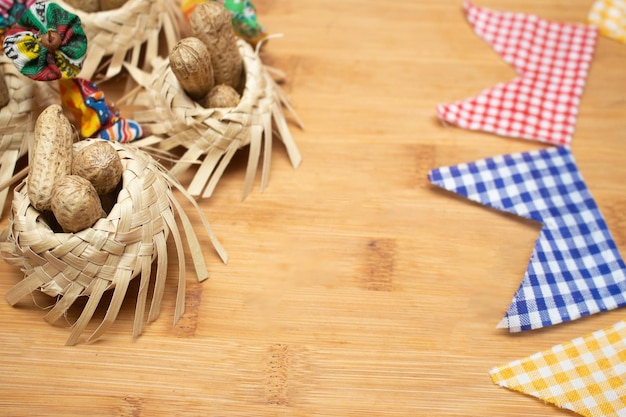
{"x":575,"y":269}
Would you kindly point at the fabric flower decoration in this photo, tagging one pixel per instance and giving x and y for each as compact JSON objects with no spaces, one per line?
{"x":10,"y":11}
{"x":47,"y":43}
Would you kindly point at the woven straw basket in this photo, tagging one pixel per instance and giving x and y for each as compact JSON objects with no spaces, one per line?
{"x":131,"y":33}
{"x":212,"y":136}
{"x":112,"y":252}
{"x":17,"y":121}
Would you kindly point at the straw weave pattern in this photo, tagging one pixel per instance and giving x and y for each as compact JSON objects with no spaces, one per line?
{"x":120,"y":34}
{"x":17,"y":120}
{"x":107,"y":255}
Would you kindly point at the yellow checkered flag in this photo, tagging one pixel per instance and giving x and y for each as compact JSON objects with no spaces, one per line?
{"x":586,"y":375}
{"x":610,"y":18}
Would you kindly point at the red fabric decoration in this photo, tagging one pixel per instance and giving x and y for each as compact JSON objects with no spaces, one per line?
{"x":552,"y":60}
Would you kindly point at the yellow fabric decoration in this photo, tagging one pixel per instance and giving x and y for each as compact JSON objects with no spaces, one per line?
{"x":73,"y":99}
{"x":586,"y":375}
{"x":187,"y":6}
{"x":29,"y":47}
{"x":610,"y":18}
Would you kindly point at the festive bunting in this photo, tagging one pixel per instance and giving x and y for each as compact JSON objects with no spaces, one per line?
{"x":586,"y":375}
{"x":47,"y":43}
{"x":575,"y":269}
{"x":552,"y":60}
{"x":610,"y":17}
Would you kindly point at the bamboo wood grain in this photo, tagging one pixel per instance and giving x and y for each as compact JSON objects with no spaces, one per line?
{"x":353,"y":288}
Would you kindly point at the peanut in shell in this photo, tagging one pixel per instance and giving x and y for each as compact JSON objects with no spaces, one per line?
{"x":75,"y":204}
{"x":190,"y":61}
{"x":5,"y":96}
{"x":89,"y":6}
{"x":50,"y":157}
{"x":211,"y":23}
{"x":221,"y":96}
{"x":100,"y":164}
{"x":111,"y":4}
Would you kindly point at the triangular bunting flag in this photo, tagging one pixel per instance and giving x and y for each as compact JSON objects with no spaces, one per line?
{"x":586,"y":375}
{"x":575,"y":269}
{"x":552,"y":60}
{"x":610,"y":17}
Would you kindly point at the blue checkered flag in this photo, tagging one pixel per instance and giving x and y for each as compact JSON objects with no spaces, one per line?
{"x":575,"y":269}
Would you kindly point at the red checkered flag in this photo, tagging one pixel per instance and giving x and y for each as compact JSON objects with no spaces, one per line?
{"x":552,"y":60}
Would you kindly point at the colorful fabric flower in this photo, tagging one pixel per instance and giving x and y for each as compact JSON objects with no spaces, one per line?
{"x":10,"y":11}
{"x":47,"y":43}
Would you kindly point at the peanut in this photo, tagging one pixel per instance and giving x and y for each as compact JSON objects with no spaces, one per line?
{"x":111,"y":4}
{"x":100,"y":164}
{"x":75,"y":204}
{"x":51,"y":156}
{"x":211,"y":23}
{"x":4,"y":90}
{"x":221,"y":96}
{"x":89,"y":6}
{"x":190,"y":61}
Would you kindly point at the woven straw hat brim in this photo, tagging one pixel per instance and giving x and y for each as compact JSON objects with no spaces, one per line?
{"x":17,"y":120}
{"x":211,"y":136}
{"x":130,"y":33}
{"x":108,"y":255}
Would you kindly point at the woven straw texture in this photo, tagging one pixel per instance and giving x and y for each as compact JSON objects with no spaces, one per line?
{"x":212,"y":136}
{"x":17,"y":121}
{"x":111,"y":253}
{"x":130,"y":34}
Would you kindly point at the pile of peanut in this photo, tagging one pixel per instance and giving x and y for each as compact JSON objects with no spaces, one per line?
{"x":71,"y":186}
{"x":208,"y":64}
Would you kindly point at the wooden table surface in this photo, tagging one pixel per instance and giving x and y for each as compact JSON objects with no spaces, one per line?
{"x":354,"y":287}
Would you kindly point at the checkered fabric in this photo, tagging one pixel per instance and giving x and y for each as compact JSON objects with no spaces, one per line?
{"x":575,"y":269}
{"x":610,"y":17}
{"x":552,"y":60}
{"x":586,"y":375}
